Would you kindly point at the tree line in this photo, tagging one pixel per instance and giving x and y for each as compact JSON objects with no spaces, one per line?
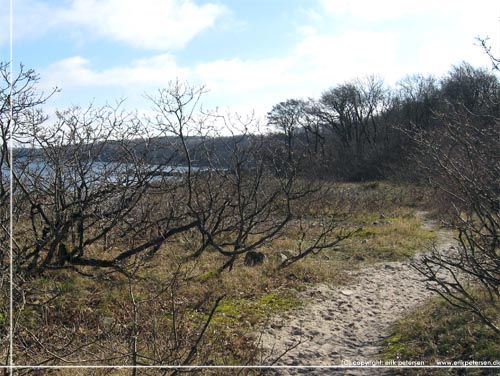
{"x":362,"y":130}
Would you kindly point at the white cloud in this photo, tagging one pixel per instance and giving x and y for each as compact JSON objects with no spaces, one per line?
{"x":403,"y":37}
{"x":240,"y":75}
{"x":149,"y":24}
{"x":316,"y":63}
{"x":351,"y":53}
{"x":322,"y":58}
{"x":383,"y":10}
{"x":75,"y":72}
{"x":478,"y":17}
{"x":152,"y":24}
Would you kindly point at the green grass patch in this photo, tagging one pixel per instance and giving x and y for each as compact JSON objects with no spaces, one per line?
{"x":207,"y":275}
{"x":237,"y":319}
{"x":388,"y":239}
{"x":252,"y":311}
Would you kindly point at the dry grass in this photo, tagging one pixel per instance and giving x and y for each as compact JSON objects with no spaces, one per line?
{"x":440,"y":332}
{"x":174,"y":295}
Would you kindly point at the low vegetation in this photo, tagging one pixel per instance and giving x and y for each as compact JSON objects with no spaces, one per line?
{"x":438,"y":332}
{"x":171,"y":298}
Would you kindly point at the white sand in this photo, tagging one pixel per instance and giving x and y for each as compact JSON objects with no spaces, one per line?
{"x":342,"y":324}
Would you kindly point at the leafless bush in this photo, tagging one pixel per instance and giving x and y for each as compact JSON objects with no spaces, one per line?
{"x":100,"y":192}
{"x":462,"y":159}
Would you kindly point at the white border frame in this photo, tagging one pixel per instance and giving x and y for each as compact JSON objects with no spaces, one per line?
{"x":12,"y":367}
{"x":11,"y":185}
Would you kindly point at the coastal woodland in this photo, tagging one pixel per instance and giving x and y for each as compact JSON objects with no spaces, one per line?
{"x":177,"y":237}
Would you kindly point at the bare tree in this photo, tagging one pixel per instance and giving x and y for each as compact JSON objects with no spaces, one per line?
{"x":300,"y":143}
{"x":238,"y":201}
{"x":25,"y":110}
{"x":417,"y":98}
{"x":19,"y":98}
{"x":288,"y":117}
{"x":354,"y":106}
{"x":462,"y":159}
{"x":100,"y":191}
{"x":476,"y":89}
{"x":75,"y":197}
{"x":350,"y":113}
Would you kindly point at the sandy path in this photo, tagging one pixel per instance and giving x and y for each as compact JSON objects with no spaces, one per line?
{"x":347,"y":323}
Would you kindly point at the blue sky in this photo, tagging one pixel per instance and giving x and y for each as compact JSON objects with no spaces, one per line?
{"x":250,"y":54}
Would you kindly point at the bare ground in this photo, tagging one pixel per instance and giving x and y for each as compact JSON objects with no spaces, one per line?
{"x":338,"y":325}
